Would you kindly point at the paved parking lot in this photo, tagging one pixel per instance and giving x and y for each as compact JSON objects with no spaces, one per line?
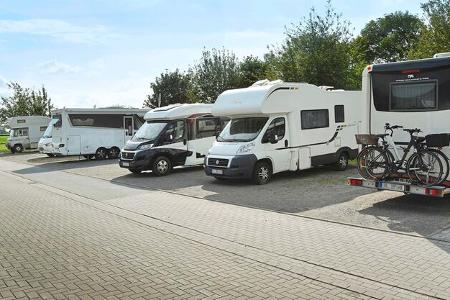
{"x":88,"y":228}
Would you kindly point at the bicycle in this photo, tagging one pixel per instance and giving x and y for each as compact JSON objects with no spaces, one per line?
{"x":426,"y":165}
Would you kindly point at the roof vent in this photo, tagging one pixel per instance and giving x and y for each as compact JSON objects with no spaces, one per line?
{"x":266,"y":82}
{"x":444,"y":54}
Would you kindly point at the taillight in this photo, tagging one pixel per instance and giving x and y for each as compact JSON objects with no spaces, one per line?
{"x":434,"y":192}
{"x":354,"y":181}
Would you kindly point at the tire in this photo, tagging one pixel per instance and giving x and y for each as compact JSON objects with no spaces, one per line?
{"x":50,"y":155}
{"x":377,"y":163}
{"x":114,"y":153}
{"x":342,"y":162}
{"x":135,"y":171}
{"x":18,"y":148}
{"x":162,"y":166}
{"x":262,"y":173}
{"x":426,"y":167}
{"x":89,"y":157}
{"x":101,"y":153}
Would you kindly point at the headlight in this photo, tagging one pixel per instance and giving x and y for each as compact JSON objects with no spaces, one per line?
{"x":245,"y":148}
{"x":145,"y":147}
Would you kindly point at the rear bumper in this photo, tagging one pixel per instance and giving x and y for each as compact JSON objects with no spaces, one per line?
{"x":239,"y":167}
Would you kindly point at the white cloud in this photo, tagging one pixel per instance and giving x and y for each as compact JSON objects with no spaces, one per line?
{"x":55,"y":67}
{"x":54,"y":28}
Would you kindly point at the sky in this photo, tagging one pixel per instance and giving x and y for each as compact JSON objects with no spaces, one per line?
{"x":103,"y":53}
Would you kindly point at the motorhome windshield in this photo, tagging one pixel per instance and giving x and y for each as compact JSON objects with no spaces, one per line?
{"x":242,"y":129}
{"x":149,"y":131}
{"x":49,"y":130}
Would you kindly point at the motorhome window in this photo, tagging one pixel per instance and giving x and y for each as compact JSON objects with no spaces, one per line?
{"x":242,"y":129}
{"x":21,"y":121}
{"x":207,"y":127}
{"x":100,"y":120}
{"x":17,"y":132}
{"x":339,"y":114}
{"x":413,"y":96}
{"x":58,"y":122}
{"x":312,"y":119}
{"x":276,"y":129}
{"x":42,"y":128}
{"x":174,"y":133}
{"x":149,"y":131}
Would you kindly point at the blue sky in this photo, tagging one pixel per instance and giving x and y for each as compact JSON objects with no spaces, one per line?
{"x":103,"y":53}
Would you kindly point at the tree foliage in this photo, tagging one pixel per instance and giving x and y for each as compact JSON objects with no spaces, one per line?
{"x":435,"y":38}
{"x":170,"y":87}
{"x":25,"y":102}
{"x":216,"y":71}
{"x":252,"y":69}
{"x":315,"y":50}
{"x":389,"y":38}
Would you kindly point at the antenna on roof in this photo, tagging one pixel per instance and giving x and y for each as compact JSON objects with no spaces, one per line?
{"x":159,"y":100}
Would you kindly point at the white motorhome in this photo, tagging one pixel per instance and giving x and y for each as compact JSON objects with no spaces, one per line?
{"x":174,"y":135}
{"x":412,"y":94}
{"x":25,"y":132}
{"x":99,"y":133}
{"x":277,"y":126}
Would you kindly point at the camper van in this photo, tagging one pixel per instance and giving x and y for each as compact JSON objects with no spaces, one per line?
{"x":412,"y":94}
{"x":277,"y":126}
{"x":175,"y":135}
{"x":25,"y":132}
{"x":99,"y":133}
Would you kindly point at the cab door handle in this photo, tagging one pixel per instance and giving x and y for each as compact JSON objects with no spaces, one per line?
{"x":286,"y":143}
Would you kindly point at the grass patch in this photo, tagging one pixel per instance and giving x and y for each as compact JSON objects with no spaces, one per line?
{"x":3,"y":139}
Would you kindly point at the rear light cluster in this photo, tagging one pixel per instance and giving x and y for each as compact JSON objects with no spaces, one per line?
{"x":434,"y":192}
{"x":354,"y":181}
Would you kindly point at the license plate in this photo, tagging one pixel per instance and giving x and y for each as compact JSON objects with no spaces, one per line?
{"x":125,"y":164}
{"x":394,"y":187}
{"x":215,"y":171}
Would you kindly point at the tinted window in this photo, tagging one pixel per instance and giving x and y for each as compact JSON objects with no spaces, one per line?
{"x":311,"y":119}
{"x":58,"y":121}
{"x":174,"y":133}
{"x":414,"y":96}
{"x":207,"y":127}
{"x":339,"y":114}
{"x":276,"y":129}
{"x":104,"y":120}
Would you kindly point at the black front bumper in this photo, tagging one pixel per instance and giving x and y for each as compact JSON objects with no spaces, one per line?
{"x":241,"y":167}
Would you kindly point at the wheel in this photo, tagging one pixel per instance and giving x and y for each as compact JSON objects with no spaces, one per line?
{"x":50,"y":155}
{"x":114,"y":153}
{"x":444,"y":160}
{"x":134,"y":171}
{"x":18,"y":148}
{"x":161,"y":166}
{"x":262,"y":173}
{"x":101,"y":153}
{"x":377,"y":163}
{"x":89,"y":157}
{"x":425,"y":167}
{"x":342,"y":162}
{"x":361,"y":161}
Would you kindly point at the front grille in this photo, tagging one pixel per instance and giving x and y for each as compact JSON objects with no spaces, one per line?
{"x":127,"y":155}
{"x":218,"y":162}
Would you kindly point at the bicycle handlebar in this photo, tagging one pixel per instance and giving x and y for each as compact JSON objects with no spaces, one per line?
{"x":411,"y":131}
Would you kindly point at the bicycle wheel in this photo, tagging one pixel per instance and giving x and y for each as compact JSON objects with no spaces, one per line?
{"x":426,"y":167}
{"x":445,"y":163}
{"x":377,"y":163}
{"x":361,"y":161}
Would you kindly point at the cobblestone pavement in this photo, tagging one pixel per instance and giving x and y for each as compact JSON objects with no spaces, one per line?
{"x":157,"y":232}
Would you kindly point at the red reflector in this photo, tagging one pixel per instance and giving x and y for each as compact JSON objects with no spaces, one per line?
{"x":369,"y":68}
{"x":410,"y":71}
{"x":433,"y":192}
{"x":354,"y":181}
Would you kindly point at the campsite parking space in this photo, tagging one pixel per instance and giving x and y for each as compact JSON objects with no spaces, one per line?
{"x":318,"y":193}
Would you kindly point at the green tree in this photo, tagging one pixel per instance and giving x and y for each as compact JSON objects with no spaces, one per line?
{"x":24,"y":102}
{"x":252,"y":69}
{"x":216,"y":71}
{"x":389,"y":38}
{"x":435,"y":38}
{"x":170,"y":87}
{"x":315,"y":51}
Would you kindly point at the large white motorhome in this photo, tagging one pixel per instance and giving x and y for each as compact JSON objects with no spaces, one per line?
{"x":174,"y":135}
{"x":25,"y":132}
{"x":412,"y":94}
{"x":99,"y":133}
{"x":277,"y":126}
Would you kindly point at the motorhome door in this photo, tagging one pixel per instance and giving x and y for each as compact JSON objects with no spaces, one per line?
{"x":128,"y":125}
{"x":203,"y":132}
{"x":275,"y":144}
